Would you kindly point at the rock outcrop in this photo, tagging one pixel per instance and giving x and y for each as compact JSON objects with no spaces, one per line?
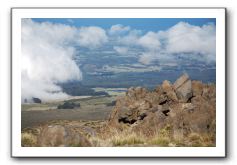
{"x":185,"y":106}
{"x":183,"y":88}
{"x":61,"y":136}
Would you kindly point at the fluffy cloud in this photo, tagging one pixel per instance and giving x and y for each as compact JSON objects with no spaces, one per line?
{"x":48,"y":56}
{"x":150,"y":41}
{"x":118,"y":29}
{"x":47,"y":59}
{"x":92,"y":37}
{"x":121,"y":50}
{"x":186,"y":38}
{"x":131,"y":39}
{"x":195,"y":42}
{"x":147,"y":57}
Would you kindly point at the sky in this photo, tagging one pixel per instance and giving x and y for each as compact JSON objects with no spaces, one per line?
{"x":50,"y":47}
{"x":146,"y":24}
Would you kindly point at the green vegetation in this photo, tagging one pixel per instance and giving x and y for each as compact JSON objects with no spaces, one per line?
{"x":69,"y":105}
{"x":77,"y":89}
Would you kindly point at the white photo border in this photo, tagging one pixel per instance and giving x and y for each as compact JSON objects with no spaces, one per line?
{"x":115,"y":12}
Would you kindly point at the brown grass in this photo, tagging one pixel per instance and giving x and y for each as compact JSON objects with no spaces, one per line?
{"x":111,"y":137}
{"x":28,"y":140}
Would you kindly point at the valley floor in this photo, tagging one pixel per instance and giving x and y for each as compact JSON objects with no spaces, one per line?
{"x":91,"y":108}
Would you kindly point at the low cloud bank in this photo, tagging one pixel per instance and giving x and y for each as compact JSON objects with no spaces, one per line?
{"x":48,"y":56}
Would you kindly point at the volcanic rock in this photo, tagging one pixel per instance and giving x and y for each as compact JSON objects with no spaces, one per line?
{"x":180,"y":81}
{"x":168,"y":89}
{"x":60,"y":136}
{"x":186,"y":107}
{"x":197,"y":88}
{"x":183,"y":88}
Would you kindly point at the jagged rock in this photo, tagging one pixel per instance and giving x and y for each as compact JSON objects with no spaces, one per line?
{"x":130,"y":92}
{"x":188,"y":107}
{"x":162,"y":99}
{"x":197,"y":88}
{"x":185,"y":106}
{"x":159,"y":90}
{"x":180,"y":81}
{"x":183,"y":88}
{"x":168,"y":89}
{"x":124,"y":112}
{"x":154,"y":98}
{"x":137,"y":92}
{"x":209,"y":91}
{"x":156,"y":108}
{"x":60,"y":136}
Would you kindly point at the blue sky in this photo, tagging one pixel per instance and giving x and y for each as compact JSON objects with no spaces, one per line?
{"x":145,"y":24}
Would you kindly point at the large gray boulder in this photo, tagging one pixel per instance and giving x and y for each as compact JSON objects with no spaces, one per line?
{"x":183,"y":88}
{"x":180,"y":81}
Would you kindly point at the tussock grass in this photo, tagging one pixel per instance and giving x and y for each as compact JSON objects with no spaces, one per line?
{"x":28,"y":140}
{"x":160,"y":141}
{"x":201,"y":140}
{"x":118,"y":138}
{"x":127,"y":139}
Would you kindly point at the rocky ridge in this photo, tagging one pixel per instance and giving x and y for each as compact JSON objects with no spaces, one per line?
{"x":185,"y":107}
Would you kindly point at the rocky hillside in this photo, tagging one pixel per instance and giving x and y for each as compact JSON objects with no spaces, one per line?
{"x":182,"y":108}
{"x":179,"y":114}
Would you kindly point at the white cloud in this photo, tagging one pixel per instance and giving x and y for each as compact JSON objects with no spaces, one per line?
{"x":186,"y":38}
{"x":47,"y":59}
{"x":195,"y":42}
{"x":92,"y":37}
{"x":118,"y":29}
{"x":150,"y":41}
{"x":130,"y":39}
{"x":163,"y":58}
{"x":121,"y":50}
{"x":147,"y":57}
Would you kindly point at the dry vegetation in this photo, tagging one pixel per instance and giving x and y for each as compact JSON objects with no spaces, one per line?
{"x":111,"y":137}
{"x":178,"y":115}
